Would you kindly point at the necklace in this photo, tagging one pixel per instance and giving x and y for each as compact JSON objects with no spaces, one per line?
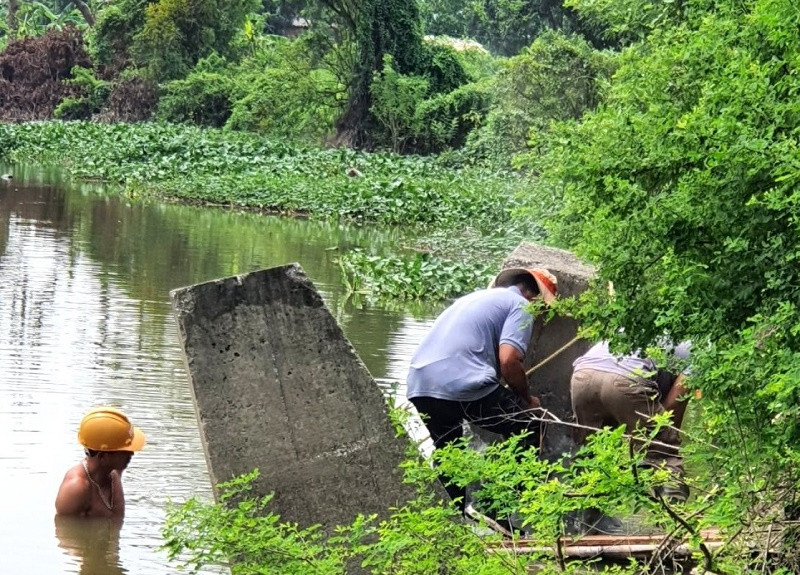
{"x":109,"y":505}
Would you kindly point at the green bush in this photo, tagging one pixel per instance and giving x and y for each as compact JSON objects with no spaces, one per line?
{"x":96,"y":90}
{"x":418,"y":119}
{"x":279,"y":92}
{"x":395,"y":98}
{"x":445,"y":120}
{"x":476,"y":61}
{"x":426,"y":535}
{"x":112,"y":35}
{"x":441,"y":66}
{"x":202,"y":98}
{"x":176,"y":34}
{"x":557,"y":78}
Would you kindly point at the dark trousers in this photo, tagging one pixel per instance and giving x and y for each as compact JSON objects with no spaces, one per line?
{"x":501,"y":412}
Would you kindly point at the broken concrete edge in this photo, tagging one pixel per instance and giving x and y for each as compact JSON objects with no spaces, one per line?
{"x":267,"y":359}
{"x":572,"y":273}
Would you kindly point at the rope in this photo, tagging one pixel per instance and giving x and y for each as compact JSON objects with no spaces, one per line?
{"x":553,"y":355}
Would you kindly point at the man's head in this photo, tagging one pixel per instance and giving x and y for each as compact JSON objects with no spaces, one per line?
{"x":108,"y":434}
{"x":533,"y":282}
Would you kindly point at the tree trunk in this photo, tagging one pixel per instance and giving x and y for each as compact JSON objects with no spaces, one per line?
{"x":351,"y":128}
{"x":13,"y":6}
{"x":84,"y":9}
{"x":380,"y":27}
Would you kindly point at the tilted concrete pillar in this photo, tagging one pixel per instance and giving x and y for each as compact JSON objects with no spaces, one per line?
{"x":277,"y":386}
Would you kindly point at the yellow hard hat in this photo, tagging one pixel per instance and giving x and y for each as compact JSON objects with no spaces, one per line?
{"x":108,"y":429}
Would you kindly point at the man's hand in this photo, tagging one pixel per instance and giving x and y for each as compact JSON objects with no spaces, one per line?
{"x":513,"y":372}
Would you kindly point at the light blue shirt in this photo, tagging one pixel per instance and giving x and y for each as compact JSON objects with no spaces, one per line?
{"x":600,"y":358}
{"x":457,"y":359}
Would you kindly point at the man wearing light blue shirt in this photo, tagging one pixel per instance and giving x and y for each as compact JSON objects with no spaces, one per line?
{"x":456,"y":372}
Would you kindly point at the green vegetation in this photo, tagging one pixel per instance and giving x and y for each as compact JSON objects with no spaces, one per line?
{"x":474,"y":205}
{"x":426,"y":535}
{"x":683,"y":186}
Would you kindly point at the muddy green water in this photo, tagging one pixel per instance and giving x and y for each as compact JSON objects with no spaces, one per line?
{"x":85,"y":319}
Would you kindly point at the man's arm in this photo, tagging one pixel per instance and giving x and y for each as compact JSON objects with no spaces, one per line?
{"x":513,"y":372}
{"x":676,"y":401}
{"x":75,"y":494}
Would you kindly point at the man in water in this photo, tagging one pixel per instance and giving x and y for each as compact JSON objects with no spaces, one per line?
{"x":93,"y":487}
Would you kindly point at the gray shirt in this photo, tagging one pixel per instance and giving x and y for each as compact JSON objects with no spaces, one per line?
{"x":457,"y":359}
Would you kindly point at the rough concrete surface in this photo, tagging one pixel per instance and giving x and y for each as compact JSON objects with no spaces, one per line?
{"x":277,"y":386}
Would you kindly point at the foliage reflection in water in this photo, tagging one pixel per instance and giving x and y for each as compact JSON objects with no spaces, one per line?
{"x":86,"y":320}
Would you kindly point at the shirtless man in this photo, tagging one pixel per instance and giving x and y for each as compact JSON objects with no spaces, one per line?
{"x":93,"y":487}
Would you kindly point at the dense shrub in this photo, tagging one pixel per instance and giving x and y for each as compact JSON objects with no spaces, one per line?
{"x":202,"y":98}
{"x":111,"y":37}
{"x":445,"y":120}
{"x":34,"y":74}
{"x":683,"y":189}
{"x":280,"y":91}
{"x":395,"y":98}
{"x":165,"y":37}
{"x":556,"y":78}
{"x":83,"y":107}
{"x":431,"y":111}
{"x":441,"y":66}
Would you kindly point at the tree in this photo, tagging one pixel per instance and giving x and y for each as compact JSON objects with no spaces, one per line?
{"x":11,"y":18}
{"x":371,"y":28}
{"x":166,"y":37}
{"x":395,"y":98}
{"x":177,"y":33}
{"x":683,"y":189}
{"x":86,"y":11}
{"x":504,"y":26}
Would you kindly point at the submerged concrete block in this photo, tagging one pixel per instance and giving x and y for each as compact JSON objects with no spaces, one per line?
{"x":277,"y":386}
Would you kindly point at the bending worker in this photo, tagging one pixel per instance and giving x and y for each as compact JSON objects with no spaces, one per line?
{"x":611,"y":390}
{"x":93,"y":487}
{"x":456,"y":371}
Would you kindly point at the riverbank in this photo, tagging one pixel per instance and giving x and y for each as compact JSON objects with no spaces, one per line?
{"x":459,"y":217}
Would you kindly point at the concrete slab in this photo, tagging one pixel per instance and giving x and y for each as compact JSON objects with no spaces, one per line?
{"x":277,"y":386}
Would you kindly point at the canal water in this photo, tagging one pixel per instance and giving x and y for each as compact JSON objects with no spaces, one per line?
{"x":85,"y":320}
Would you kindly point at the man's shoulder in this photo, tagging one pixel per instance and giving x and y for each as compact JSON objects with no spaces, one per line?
{"x":497,"y":295}
{"x":75,"y":493}
{"x":76,"y":477}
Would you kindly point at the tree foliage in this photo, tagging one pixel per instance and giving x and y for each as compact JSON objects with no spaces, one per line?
{"x":558,"y":77}
{"x":683,"y":188}
{"x":371,"y":29}
{"x":504,"y":26}
{"x":177,"y":33}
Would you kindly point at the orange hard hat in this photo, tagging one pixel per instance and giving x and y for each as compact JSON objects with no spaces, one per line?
{"x":108,"y":429}
{"x":546,"y":281}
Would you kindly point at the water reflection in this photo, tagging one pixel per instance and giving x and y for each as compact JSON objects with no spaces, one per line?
{"x":92,"y":544}
{"x":85,"y":319}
